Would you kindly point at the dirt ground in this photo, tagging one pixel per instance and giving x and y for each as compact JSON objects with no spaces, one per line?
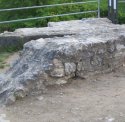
{"x":98,"y":99}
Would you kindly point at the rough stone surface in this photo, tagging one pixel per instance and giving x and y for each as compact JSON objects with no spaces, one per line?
{"x":95,"y":46}
{"x":21,"y":36}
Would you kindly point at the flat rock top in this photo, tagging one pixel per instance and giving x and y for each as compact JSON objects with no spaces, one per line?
{"x":85,"y":31}
{"x":94,"y":27}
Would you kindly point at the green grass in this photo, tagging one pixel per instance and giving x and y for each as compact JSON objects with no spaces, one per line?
{"x":121,"y":13}
{"x":3,"y":57}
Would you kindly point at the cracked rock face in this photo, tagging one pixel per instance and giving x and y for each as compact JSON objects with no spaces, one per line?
{"x":98,"y":48}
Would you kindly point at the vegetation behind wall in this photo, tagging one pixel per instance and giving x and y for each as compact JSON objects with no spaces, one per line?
{"x":20,"y":14}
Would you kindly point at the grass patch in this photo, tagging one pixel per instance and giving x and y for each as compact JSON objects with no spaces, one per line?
{"x":11,"y":49}
{"x":3,"y":57}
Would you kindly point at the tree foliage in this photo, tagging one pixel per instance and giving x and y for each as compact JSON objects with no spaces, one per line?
{"x":20,"y":14}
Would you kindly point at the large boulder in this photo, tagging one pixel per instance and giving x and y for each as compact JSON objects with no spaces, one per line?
{"x":98,"y":46}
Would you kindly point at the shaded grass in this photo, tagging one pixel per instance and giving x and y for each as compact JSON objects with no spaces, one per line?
{"x":11,"y":49}
{"x":3,"y":57}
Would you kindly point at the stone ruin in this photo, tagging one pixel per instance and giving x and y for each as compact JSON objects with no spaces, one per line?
{"x":61,"y":51}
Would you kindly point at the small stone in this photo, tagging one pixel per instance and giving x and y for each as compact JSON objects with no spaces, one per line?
{"x":61,"y":82}
{"x":61,"y":93}
{"x":70,"y":69}
{"x":3,"y":115}
{"x":110,"y":119}
{"x":40,"y":98}
{"x":58,"y":70}
{"x":3,"y":118}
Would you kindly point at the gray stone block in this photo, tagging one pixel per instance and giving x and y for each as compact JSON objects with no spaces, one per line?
{"x":95,"y":46}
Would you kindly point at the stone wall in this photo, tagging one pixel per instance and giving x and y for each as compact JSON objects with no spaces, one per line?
{"x":59,"y":29}
{"x":95,"y":46}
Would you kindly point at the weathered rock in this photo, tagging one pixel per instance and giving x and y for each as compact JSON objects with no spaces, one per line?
{"x":94,"y":48}
{"x":59,"y":29}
